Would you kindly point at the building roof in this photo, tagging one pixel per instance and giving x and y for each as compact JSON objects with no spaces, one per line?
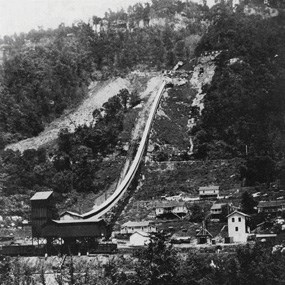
{"x":209,"y":188}
{"x":142,"y":233}
{"x":76,"y":221}
{"x":218,"y":206}
{"x":42,"y":195}
{"x":75,"y":229}
{"x":170,"y":204}
{"x":238,"y":212}
{"x":137,"y":224}
{"x":70,"y":213}
{"x":268,"y":204}
{"x":204,"y":232}
{"x":266,"y":235}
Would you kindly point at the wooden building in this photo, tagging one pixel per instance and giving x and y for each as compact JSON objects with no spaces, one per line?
{"x":203,"y":235}
{"x":43,"y":211}
{"x":219,"y":211}
{"x":171,"y":209}
{"x":209,"y":192}
{"x":74,"y":229}
{"x":141,"y":226}
{"x":271,"y":206}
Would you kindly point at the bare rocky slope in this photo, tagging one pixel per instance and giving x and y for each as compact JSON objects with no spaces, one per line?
{"x":99,"y":93}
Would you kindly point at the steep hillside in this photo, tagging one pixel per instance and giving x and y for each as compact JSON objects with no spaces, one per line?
{"x":99,"y":93}
{"x":224,"y":125}
{"x":174,"y":177}
{"x":89,"y":156}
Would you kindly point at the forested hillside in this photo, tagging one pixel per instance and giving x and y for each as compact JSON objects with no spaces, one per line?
{"x":245,"y":104}
{"x":46,"y":72}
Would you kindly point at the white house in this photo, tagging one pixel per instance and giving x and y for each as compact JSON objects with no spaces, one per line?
{"x":238,"y":228}
{"x":139,"y":239}
{"x":209,"y":192}
{"x":175,"y":208}
{"x":143,"y":226}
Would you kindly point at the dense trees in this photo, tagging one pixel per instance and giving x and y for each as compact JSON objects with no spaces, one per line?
{"x":160,"y":264}
{"x":74,"y":163}
{"x":248,"y":203}
{"x":47,"y":71}
{"x":242,"y":108}
{"x":243,"y":114}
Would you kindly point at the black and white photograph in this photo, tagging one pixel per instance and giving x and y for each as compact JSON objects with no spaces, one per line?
{"x":142,"y":142}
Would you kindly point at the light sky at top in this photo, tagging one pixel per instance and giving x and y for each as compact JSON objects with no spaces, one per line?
{"x":18,"y":16}
{"x":23,"y":15}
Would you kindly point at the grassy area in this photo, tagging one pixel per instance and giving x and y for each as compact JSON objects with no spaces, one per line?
{"x":170,"y":132}
{"x":174,"y":177}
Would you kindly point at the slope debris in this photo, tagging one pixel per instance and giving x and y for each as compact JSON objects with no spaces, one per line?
{"x":99,"y":93}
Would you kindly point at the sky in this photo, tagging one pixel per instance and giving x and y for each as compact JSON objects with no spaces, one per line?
{"x":23,"y":15}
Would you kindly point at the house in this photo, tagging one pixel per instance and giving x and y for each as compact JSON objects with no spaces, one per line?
{"x":171,"y":209}
{"x":209,"y":192}
{"x":219,"y":210}
{"x":238,"y":228}
{"x":271,"y":206}
{"x":139,"y":238}
{"x":203,"y":235}
{"x":143,"y":226}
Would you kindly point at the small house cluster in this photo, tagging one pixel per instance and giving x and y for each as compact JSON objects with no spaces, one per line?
{"x":224,"y":223}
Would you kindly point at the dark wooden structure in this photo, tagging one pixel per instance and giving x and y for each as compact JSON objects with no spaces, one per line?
{"x":203,"y":235}
{"x":43,"y":211}
{"x":74,"y":229}
{"x":63,"y":236}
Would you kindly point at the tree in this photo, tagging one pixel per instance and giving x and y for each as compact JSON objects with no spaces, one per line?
{"x":248,"y":203}
{"x":64,"y":140}
{"x":197,"y":214}
{"x":157,"y":264}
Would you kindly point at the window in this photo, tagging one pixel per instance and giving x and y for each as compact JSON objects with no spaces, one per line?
{"x":236,"y":229}
{"x":239,"y":219}
{"x":233,"y":220}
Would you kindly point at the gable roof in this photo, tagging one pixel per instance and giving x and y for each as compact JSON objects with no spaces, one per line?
{"x":265,"y":204}
{"x":238,"y":212}
{"x":78,"y":221}
{"x":218,"y":206}
{"x":209,"y":188}
{"x":204,"y":232}
{"x":142,"y":233}
{"x":70,"y":213}
{"x":41,"y":195}
{"x":137,"y":224}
